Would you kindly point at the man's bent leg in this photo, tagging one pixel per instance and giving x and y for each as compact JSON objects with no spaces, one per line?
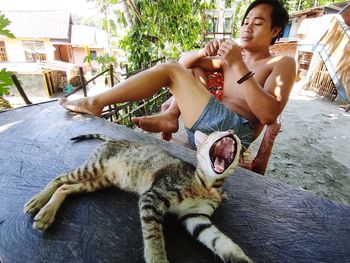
{"x":190,"y":94}
{"x":137,"y":87}
{"x":167,"y":121}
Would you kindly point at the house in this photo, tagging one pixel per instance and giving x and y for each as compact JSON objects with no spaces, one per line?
{"x":300,"y":35}
{"x":39,"y":37}
{"x":87,"y":40}
{"x":47,"y":41}
{"x":307,"y":38}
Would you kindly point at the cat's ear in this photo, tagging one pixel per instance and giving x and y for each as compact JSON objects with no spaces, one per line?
{"x":199,"y":138}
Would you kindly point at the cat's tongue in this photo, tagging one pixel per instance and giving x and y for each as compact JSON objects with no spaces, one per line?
{"x":219,"y":165}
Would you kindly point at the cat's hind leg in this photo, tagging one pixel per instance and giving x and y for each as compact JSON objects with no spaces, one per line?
{"x":46,"y":215}
{"x":152,"y":209}
{"x":201,"y":228}
{"x":84,"y":173}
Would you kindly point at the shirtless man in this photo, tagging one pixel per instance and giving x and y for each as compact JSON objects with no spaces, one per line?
{"x":249,"y":101}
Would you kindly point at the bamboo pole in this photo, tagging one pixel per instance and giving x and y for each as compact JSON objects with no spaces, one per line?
{"x":82,"y":80}
{"x":20,"y":89}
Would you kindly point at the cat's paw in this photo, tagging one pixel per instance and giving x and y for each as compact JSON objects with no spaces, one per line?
{"x":44,"y":219}
{"x":36,"y":203}
{"x":237,"y":258}
{"x":158,"y":261}
{"x":231,"y":252}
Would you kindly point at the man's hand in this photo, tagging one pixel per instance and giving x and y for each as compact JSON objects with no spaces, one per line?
{"x":211,"y":49}
{"x":230,"y":52}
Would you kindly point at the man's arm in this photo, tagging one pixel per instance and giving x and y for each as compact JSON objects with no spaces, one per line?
{"x":206,"y":58}
{"x":268,"y":102}
{"x":265,"y":102}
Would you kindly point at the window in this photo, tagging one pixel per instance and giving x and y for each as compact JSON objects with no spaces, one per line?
{"x":93,"y":54}
{"x":34,"y":50}
{"x":3,"y":54}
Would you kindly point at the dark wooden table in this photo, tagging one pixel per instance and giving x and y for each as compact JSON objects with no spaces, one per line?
{"x":270,"y":220}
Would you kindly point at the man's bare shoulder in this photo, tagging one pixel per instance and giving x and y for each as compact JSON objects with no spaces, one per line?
{"x":284,"y":61}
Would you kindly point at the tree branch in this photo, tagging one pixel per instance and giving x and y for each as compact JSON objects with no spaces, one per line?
{"x":136,"y":10}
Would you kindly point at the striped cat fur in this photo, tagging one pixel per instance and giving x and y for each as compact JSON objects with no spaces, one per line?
{"x":164,"y":184}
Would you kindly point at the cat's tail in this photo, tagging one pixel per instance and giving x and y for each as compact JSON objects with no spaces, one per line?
{"x":91,"y":137}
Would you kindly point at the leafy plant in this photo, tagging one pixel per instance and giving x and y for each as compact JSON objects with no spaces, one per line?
{"x":162,"y":28}
{"x":4,"y":22}
{"x":5,"y":81}
{"x":104,"y":60}
{"x":5,"y":76}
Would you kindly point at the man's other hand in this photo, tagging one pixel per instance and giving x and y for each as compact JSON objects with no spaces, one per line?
{"x":230,"y":52}
{"x":211,"y":49}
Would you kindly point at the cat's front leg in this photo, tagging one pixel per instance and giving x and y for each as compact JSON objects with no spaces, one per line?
{"x":39,"y":200}
{"x":82,"y":174}
{"x":152,"y":210}
{"x":47,"y":214}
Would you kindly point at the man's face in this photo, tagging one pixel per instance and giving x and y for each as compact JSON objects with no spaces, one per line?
{"x":256,"y":30}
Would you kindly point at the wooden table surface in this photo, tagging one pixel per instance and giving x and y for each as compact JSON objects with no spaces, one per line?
{"x":270,"y":220}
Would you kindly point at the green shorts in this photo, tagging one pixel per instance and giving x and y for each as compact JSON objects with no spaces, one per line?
{"x":217,"y":117}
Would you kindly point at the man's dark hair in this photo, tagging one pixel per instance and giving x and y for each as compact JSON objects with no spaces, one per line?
{"x":279,"y":15}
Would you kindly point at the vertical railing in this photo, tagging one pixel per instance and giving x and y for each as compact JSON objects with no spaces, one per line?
{"x":82,"y":81}
{"x":20,"y":89}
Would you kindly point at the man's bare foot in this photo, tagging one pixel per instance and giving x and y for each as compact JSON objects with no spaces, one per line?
{"x":346,"y":107}
{"x":163,"y":122}
{"x":83,"y":105}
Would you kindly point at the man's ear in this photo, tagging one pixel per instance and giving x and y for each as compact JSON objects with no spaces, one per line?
{"x":276,"y":31}
{"x":199,"y":138}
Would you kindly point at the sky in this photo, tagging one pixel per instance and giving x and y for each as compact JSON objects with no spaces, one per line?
{"x":81,"y":7}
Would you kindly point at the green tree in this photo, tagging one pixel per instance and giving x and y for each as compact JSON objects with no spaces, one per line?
{"x":162,"y":28}
{"x":5,"y":76}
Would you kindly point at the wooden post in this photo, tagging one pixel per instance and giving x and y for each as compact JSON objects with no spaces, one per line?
{"x":127,"y":70}
{"x":20,"y":89}
{"x":112,"y":84}
{"x":82,"y":80}
{"x":111,"y":74}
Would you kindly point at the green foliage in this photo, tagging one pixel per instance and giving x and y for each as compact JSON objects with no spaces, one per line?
{"x":5,"y":81}
{"x":296,"y":5}
{"x":5,"y":76}
{"x":105,"y":61}
{"x":4,"y":22}
{"x":87,"y":59}
{"x":167,"y":28}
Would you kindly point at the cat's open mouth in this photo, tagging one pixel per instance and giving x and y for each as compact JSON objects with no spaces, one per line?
{"x":222,"y":153}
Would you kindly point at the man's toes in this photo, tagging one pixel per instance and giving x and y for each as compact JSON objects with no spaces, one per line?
{"x":167,"y":136}
{"x":136,"y":120}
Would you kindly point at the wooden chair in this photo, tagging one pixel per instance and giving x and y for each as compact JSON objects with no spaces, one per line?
{"x":259,"y":163}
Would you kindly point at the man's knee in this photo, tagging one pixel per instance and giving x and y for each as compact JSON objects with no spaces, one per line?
{"x":172,"y":68}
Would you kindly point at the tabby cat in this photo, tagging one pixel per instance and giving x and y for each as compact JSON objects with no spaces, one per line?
{"x":164,"y":183}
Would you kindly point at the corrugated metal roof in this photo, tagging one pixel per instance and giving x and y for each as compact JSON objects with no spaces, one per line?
{"x":31,"y":24}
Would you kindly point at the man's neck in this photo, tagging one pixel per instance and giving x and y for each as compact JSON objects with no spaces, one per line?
{"x":255,"y":56}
